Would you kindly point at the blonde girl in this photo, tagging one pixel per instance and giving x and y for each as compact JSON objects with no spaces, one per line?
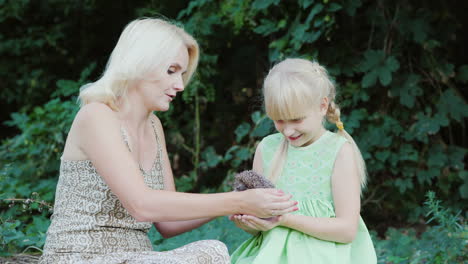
{"x":115,"y":177}
{"x":324,"y":172}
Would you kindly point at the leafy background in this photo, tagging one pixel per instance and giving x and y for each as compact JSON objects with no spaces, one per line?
{"x":401,"y":72}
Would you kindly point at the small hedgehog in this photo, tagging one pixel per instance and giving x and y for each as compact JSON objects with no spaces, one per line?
{"x":250,"y":180}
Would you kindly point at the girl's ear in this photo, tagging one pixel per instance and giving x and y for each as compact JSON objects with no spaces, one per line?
{"x":324,"y":105}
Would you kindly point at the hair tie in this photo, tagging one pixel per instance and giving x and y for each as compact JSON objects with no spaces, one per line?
{"x":340,"y":125}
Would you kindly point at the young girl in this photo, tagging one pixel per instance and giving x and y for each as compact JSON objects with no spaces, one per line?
{"x":324,"y":171}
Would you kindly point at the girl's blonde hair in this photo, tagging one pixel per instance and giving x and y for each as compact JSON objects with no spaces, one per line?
{"x":291,"y":89}
{"x":146,"y":45}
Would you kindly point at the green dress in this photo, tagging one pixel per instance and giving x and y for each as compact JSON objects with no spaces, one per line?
{"x":307,"y":176}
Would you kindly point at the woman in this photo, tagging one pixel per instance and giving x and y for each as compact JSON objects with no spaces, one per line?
{"x":115,"y":176}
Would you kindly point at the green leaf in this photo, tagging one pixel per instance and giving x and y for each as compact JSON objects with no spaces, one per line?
{"x":310,"y":37}
{"x":376,"y":65}
{"x":243,"y":154}
{"x":305,"y":3}
{"x":462,"y":74}
{"x":382,"y":155}
{"x":446,"y":71}
{"x":265,"y":127}
{"x":230,"y":153}
{"x":456,"y":157}
{"x":426,"y":176}
{"x":313,"y":12}
{"x":451,"y":104}
{"x":334,"y":7}
{"x":404,"y":184}
{"x":242,"y":130}
{"x":353,"y":120}
{"x":264,"y":4}
{"x":464,"y":187}
{"x":426,"y":125}
{"x":370,"y":79}
{"x":210,"y":157}
{"x":266,"y":27}
{"x":351,"y":5}
{"x":419,"y":29}
{"x":407,"y":152}
{"x":437,"y":157}
{"x":256,"y":117}
{"x":409,"y":90}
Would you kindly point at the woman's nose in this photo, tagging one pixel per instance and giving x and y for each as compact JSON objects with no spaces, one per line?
{"x":179,"y":85}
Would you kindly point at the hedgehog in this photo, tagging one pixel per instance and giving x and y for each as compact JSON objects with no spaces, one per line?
{"x":250,"y":180}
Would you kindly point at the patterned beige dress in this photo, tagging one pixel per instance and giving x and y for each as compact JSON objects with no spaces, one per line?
{"x":90,"y":225}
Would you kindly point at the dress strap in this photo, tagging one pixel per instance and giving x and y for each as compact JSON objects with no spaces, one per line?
{"x":158,"y":142}
{"x":125,"y":137}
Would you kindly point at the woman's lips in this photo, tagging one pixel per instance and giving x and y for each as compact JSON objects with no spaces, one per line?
{"x":170,"y":97}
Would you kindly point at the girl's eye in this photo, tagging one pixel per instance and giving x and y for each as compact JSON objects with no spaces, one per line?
{"x":298,"y":120}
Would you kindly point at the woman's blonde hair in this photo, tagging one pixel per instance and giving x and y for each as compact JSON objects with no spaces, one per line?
{"x":291,"y":89}
{"x":146,"y":45}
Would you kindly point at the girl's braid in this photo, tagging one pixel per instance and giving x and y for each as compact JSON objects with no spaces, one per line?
{"x":333,"y":113}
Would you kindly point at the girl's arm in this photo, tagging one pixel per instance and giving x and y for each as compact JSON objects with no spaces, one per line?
{"x":346,"y":197}
{"x":98,"y":130}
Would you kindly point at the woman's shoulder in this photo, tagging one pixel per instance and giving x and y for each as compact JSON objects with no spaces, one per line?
{"x":94,"y":117}
{"x":95,"y":110}
{"x":91,"y":118}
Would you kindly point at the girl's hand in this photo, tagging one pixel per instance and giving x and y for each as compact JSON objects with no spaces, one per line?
{"x":266,"y":203}
{"x":242,"y":225}
{"x":258,"y":224}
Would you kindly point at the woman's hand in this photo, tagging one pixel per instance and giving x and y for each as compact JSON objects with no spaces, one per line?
{"x":251,"y":223}
{"x":265,"y":203}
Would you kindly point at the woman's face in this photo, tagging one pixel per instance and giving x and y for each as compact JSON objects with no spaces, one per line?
{"x":158,"y":90}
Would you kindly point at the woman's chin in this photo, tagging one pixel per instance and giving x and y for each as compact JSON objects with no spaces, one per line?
{"x":162,"y":108}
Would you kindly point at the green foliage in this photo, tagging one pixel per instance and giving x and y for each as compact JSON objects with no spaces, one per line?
{"x":446,"y":242}
{"x":377,"y":66}
{"x":30,"y":163}
{"x":220,"y":229}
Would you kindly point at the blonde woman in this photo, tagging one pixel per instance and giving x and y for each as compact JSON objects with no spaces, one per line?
{"x":324,"y":171}
{"x":115,"y":177}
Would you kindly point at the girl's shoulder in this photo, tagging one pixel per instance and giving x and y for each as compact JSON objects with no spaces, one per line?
{"x":337,"y":138}
{"x":270,"y":144}
{"x":272,"y":139}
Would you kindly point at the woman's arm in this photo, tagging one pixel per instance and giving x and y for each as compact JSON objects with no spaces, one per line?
{"x":258,"y":168}
{"x":346,"y":197}
{"x":99,"y":138}
{"x":170,"y":229}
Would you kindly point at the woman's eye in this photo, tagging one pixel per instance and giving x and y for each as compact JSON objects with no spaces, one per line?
{"x":170,"y":71}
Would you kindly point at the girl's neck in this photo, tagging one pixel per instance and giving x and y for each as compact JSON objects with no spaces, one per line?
{"x":319,"y":133}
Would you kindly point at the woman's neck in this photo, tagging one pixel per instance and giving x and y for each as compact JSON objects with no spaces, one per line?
{"x":133,"y":114}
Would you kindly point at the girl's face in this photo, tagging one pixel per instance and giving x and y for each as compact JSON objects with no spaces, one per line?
{"x":158,"y":91}
{"x":304,"y":131}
